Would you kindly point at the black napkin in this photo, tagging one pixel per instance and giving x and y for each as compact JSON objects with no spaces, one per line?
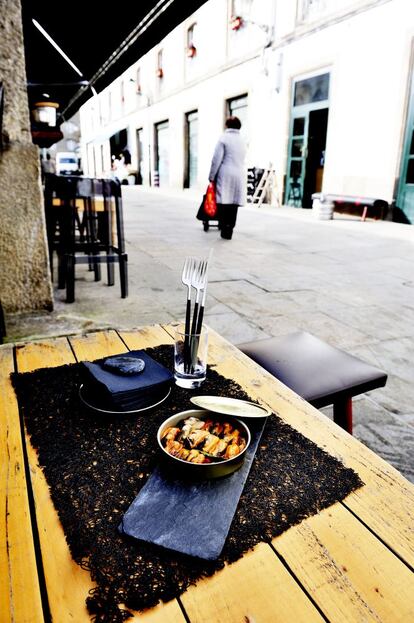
{"x":192,"y":518}
{"x":128,"y":392}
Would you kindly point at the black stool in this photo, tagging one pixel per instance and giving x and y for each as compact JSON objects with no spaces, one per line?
{"x":87,"y":227}
{"x":320,"y":373}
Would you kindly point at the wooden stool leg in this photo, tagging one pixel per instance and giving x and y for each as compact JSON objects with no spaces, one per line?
{"x":342,"y":413}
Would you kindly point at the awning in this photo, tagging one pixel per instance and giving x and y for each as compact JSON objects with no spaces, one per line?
{"x":101,"y":40}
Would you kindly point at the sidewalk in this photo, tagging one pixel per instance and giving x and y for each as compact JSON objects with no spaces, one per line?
{"x":349,"y":282}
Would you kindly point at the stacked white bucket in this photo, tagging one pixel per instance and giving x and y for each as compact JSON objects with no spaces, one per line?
{"x":323,"y":207}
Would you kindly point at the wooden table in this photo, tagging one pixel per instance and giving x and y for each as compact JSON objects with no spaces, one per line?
{"x":352,"y":562}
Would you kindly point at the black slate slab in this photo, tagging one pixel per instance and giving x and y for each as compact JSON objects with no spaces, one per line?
{"x":191,"y":518}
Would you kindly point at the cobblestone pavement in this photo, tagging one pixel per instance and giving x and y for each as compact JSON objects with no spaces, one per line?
{"x":351,"y":283}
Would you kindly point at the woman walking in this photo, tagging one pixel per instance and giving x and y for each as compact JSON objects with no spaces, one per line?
{"x":228,"y":172}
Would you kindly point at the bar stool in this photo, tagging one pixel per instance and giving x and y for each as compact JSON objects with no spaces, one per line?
{"x":86,"y":227}
{"x":322,"y":374}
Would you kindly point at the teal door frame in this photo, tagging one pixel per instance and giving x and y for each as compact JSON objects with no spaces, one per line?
{"x":298,"y":148}
{"x":405,"y":193}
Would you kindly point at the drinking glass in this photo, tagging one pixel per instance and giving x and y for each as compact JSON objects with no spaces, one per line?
{"x":190,"y":357}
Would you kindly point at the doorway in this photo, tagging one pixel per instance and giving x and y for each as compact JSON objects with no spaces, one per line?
{"x":315,"y":160}
{"x":191,"y":138}
{"x":140,"y":155}
{"x":307,"y":140}
{"x":405,"y":195}
{"x":162,"y":148}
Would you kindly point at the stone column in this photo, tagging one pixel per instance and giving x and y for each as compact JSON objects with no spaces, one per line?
{"x":25,"y":282}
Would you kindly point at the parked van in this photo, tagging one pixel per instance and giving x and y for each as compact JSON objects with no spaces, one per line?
{"x":66,"y":163}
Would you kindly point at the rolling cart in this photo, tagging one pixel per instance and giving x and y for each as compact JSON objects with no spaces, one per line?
{"x":210,"y":223}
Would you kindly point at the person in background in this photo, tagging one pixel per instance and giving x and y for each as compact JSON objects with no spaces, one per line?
{"x":48,"y":165}
{"x":228,"y":173}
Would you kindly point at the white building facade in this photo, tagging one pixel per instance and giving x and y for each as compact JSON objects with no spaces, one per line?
{"x":323,"y":88}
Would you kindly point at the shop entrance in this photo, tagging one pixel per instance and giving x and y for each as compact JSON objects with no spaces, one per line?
{"x":162,"y":153}
{"x":315,"y":161}
{"x":307,"y":141}
{"x":405,"y":196}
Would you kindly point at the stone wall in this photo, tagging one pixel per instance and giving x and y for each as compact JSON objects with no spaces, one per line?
{"x":25,"y":283}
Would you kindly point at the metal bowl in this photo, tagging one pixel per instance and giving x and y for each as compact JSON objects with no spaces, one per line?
{"x":200,"y":471}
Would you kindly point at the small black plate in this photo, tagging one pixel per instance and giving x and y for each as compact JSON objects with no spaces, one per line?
{"x":88,"y":402}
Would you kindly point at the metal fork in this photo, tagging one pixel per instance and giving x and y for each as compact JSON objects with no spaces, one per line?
{"x":198,"y":282}
{"x":187,"y":278}
{"x":187,"y":275}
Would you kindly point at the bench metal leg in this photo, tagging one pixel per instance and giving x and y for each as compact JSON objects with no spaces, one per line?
{"x":342,"y":414}
{"x":70,"y":279}
{"x":123,"y":274}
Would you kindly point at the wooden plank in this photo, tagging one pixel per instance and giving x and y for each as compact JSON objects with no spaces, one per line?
{"x":56,"y":352}
{"x":146,"y":337}
{"x":20,"y":599}
{"x":347,"y":571}
{"x":67,"y":583}
{"x":385,"y":503}
{"x":95,"y":345}
{"x":255,"y":588}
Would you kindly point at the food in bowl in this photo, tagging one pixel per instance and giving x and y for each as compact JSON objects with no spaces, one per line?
{"x":204,"y":441}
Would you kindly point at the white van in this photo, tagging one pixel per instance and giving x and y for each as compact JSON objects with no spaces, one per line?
{"x":66,"y":163}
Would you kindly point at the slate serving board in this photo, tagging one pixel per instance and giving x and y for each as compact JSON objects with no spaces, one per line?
{"x":191,"y":518}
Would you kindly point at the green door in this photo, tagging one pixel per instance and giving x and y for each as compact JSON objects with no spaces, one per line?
{"x":297,"y":158}
{"x":306,"y":155}
{"x":405,"y":196}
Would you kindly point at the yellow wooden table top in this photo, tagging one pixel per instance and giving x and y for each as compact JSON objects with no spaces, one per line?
{"x":352,"y":562}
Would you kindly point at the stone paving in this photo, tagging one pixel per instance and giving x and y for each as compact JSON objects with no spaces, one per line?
{"x":351,"y":283}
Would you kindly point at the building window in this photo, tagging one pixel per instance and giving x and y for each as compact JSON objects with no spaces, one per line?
{"x":315,"y":89}
{"x":160,"y":72}
{"x":138,"y":80}
{"x":191,"y":41}
{"x":237,"y":107}
{"x":122,"y":94}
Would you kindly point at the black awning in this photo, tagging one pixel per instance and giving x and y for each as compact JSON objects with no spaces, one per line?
{"x":89,"y":32}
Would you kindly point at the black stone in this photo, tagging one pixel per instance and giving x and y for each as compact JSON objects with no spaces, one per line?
{"x":127,"y":366}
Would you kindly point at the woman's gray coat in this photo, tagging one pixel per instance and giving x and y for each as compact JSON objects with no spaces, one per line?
{"x":228,"y":170}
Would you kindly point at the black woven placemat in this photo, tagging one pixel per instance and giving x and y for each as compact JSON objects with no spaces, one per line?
{"x":95,"y":467}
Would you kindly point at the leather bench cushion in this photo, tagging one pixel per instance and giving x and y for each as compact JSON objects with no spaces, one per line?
{"x":318,"y":372}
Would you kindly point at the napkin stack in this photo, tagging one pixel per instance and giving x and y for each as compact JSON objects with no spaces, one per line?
{"x":127,"y":392}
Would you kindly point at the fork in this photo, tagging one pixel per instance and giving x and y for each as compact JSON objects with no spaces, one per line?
{"x":187,"y":279}
{"x":198,"y":282}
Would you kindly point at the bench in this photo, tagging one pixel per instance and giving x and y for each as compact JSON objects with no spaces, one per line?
{"x":380,"y":206}
{"x":322,"y":374}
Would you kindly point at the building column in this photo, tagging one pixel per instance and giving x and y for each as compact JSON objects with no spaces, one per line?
{"x":25,"y":281}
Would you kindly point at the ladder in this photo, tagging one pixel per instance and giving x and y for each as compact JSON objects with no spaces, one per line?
{"x":266,"y":181}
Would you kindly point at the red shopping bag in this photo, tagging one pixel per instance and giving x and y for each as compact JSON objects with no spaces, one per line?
{"x":210,"y":205}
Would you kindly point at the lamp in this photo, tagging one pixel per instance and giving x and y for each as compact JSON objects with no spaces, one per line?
{"x":45,"y":112}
